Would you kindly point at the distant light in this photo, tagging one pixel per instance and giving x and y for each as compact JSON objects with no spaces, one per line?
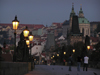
{"x":88,"y":47}
{"x":64,"y":53}
{"x":53,"y":56}
{"x":73,"y":50}
{"x":57,"y":54}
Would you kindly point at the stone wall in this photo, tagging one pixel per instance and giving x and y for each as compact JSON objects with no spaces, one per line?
{"x":13,"y":68}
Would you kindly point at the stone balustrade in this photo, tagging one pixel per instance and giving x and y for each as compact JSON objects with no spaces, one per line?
{"x":13,"y":68}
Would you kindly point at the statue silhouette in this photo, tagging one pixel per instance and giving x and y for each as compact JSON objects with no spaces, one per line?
{"x":22,"y":50}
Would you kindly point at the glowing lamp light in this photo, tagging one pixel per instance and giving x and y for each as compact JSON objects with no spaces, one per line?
{"x":15,"y":23}
{"x":88,"y":47}
{"x":64,"y":53}
{"x":73,"y":50}
{"x":53,"y":56}
{"x":57,"y":54}
{"x":31,"y":37}
{"x":26,"y":32}
{"x":27,"y":42}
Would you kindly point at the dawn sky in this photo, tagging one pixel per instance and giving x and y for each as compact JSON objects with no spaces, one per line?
{"x":46,"y":11}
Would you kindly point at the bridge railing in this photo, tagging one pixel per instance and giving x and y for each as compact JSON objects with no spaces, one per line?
{"x":13,"y":68}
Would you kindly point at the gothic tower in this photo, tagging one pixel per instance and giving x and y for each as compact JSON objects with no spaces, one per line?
{"x":71,"y":15}
{"x":75,"y":25}
{"x":75,"y":35}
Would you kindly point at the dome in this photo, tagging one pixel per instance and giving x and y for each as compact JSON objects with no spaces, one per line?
{"x":83,"y":20}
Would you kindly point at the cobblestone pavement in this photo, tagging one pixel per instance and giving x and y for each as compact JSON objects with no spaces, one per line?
{"x":61,"y":70}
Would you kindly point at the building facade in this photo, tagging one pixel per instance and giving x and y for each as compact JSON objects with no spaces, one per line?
{"x":84,"y":24}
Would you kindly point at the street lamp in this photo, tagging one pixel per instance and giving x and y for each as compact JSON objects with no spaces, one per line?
{"x":31,"y":36}
{"x":15,"y":23}
{"x":25,"y":33}
{"x":73,"y":50}
{"x":88,"y":50}
{"x":88,"y":47}
{"x":64,"y":53}
{"x":27,"y":42}
{"x":58,"y":55}
{"x":30,"y":39}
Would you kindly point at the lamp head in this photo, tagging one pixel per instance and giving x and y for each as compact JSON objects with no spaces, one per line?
{"x":15,"y":23}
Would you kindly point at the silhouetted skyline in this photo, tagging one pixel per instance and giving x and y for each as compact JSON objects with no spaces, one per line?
{"x":46,"y":11}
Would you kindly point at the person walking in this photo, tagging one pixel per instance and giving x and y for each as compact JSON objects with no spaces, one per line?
{"x":70,"y":61}
{"x":79,"y":59}
{"x":86,"y":58}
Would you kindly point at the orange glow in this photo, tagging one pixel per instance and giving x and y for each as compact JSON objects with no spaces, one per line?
{"x":57,"y":54}
{"x":31,"y":38}
{"x":73,"y":50}
{"x":64,"y":52}
{"x":88,"y":47}
{"x":27,"y":42}
{"x":15,"y":25}
{"x":26,"y":32}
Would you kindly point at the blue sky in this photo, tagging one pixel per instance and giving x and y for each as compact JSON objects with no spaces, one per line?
{"x":46,"y":11}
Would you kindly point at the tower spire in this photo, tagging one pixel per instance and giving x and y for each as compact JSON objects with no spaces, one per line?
{"x":81,"y":12}
{"x":72,"y":12}
{"x":80,"y":6}
{"x":72,"y":6}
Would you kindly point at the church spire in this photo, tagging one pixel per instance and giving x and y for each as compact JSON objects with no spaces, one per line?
{"x":72,"y":6}
{"x":72,"y":12}
{"x":81,"y":7}
{"x":81,"y":14}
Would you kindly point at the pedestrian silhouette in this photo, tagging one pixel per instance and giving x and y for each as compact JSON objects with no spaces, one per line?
{"x":85,"y":65}
{"x":70,"y":61}
{"x":79,"y":59}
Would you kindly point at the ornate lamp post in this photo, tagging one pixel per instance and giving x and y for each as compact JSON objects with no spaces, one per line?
{"x":30,"y":39}
{"x":25,"y":33}
{"x":15,"y":23}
